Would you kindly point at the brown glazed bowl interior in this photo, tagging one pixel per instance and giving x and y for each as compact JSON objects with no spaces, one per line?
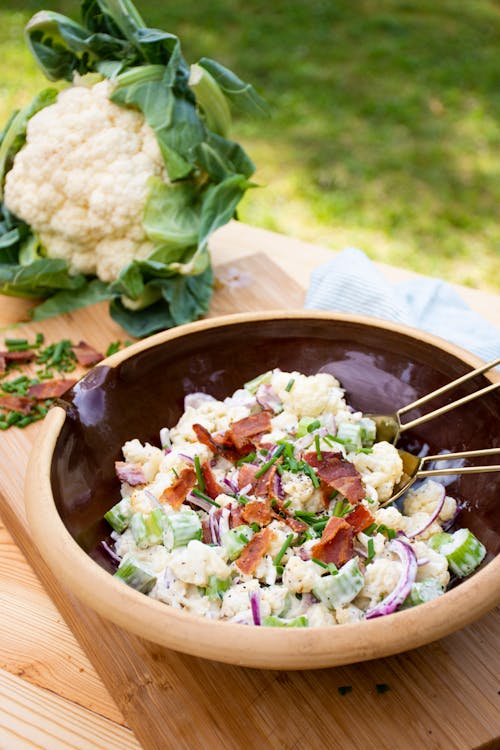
{"x":71,"y":481}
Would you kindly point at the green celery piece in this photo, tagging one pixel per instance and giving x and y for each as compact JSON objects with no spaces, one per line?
{"x":350,"y":434}
{"x":278,"y":622}
{"x":119,"y":516}
{"x":181,"y":528}
{"x":423,"y":591}
{"x":368,"y":431}
{"x":216,"y":587}
{"x":135,"y":574}
{"x":464,"y":552}
{"x":235,"y":540}
{"x":264,"y":379}
{"x":342,"y":588}
{"x":304,"y":423}
{"x":436,"y":541}
{"x":147,"y":529}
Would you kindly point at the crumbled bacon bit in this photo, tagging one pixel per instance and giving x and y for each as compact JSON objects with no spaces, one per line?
{"x":206,"y":537}
{"x":212,"y":486}
{"x":51,"y":388}
{"x":265,"y":483}
{"x":3,"y":363}
{"x":246,"y":476}
{"x":22,"y":356}
{"x":86,"y":355}
{"x":16,"y":403}
{"x":133,"y":474}
{"x":336,"y":543}
{"x":176,"y":493}
{"x":245,"y":429}
{"x":254,"y":551}
{"x":359,"y":518}
{"x":339,"y":474}
{"x":257,"y":511}
{"x":218,"y":443}
{"x":236,"y":516}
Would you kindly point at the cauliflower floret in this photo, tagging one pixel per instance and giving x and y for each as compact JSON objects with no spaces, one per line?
{"x":215,"y":416}
{"x":381,"y":469}
{"x":381,"y":577}
{"x":436,"y":567}
{"x":425,"y":499}
{"x":235,"y":599}
{"x":298,"y":488}
{"x":310,"y":395}
{"x":318,"y":616}
{"x":147,"y":455}
{"x":300,"y":575}
{"x":419,"y":521}
{"x":390,"y":517}
{"x":277,"y":599}
{"x":349,"y":613}
{"x":81,"y":180}
{"x":197,"y":562}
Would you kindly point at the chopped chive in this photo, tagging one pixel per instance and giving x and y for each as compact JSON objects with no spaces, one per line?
{"x":14,"y":342}
{"x":382,"y":687}
{"x":338,"y":509}
{"x":370,"y":529}
{"x":319,"y":562}
{"x":290,"y":385}
{"x":331,"y":438}
{"x":312,"y":475}
{"x":287,"y":504}
{"x":255,"y":527}
{"x":39,"y":339}
{"x":25,"y":421}
{"x":113,"y":348}
{"x":247,"y":459}
{"x":314,"y":425}
{"x":283,"y":549}
{"x":242,"y":499}
{"x":318,"y":450}
{"x":364,"y":450}
{"x":202,"y":495}
{"x":199,"y":475}
{"x":269,"y":463}
{"x":371,"y":549}
{"x":175,"y":473}
{"x":344,"y":689}
{"x":279,"y":570}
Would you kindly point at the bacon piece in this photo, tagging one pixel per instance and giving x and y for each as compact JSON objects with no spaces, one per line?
{"x":3,"y":363}
{"x":236,"y":516}
{"x":339,"y":474}
{"x":51,"y":388}
{"x":336,"y":544}
{"x":212,"y":486}
{"x":281,"y":514}
{"x":24,"y":356}
{"x":257,"y":512}
{"x":218,"y":444}
{"x":86,"y":355}
{"x":245,"y":429}
{"x":16,"y":403}
{"x":131,"y":473}
{"x":359,"y":518}
{"x":254,"y":551}
{"x":206,"y":534}
{"x":176,"y":493}
{"x":246,"y":476}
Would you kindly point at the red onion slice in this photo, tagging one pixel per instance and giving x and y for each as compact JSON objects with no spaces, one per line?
{"x":116,"y":559}
{"x":435,"y":513}
{"x":198,"y":502}
{"x":213,"y":524}
{"x":186,"y":457}
{"x":268,"y":398}
{"x":255,"y":606}
{"x":403,"y":587}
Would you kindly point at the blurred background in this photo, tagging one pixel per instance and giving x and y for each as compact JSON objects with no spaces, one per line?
{"x":384,"y":131}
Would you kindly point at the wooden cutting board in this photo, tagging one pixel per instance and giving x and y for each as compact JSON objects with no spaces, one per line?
{"x":444,"y":695}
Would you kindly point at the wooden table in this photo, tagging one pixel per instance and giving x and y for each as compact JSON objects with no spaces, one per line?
{"x":51,"y":696}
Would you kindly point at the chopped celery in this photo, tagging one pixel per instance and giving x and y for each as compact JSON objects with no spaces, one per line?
{"x":216,"y":587}
{"x":342,"y":588}
{"x":147,"y":529}
{"x":436,"y":541}
{"x":235,"y":540}
{"x":119,"y":515}
{"x":181,"y":528}
{"x":368,"y":431}
{"x":278,"y":622}
{"x":350,"y":434}
{"x":135,"y":574}
{"x":464,"y":552}
{"x":423,"y":591}
{"x":253,"y":385}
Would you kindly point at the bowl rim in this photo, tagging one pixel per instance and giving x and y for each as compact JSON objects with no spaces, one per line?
{"x":269,"y":648}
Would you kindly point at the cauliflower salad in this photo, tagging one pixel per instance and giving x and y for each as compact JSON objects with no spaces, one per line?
{"x":265,"y":508}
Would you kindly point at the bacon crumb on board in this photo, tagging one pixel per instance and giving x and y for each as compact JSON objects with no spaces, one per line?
{"x":16,"y":403}
{"x":176,"y":493}
{"x":336,"y":543}
{"x":338,"y":474}
{"x":86,"y":355}
{"x":130,"y":473}
{"x":51,"y":388}
{"x":23,"y":356}
{"x":254,"y":551}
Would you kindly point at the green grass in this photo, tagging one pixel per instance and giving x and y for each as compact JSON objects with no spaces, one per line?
{"x":384,"y":129}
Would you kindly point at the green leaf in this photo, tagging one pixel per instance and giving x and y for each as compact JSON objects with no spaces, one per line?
{"x":212,"y":101}
{"x":38,"y":279}
{"x":188,"y":296}
{"x":220,"y":204}
{"x":242,"y":94}
{"x":63,"y":302}
{"x":222,"y":158}
{"x":172,"y":215}
{"x":142,"y":323}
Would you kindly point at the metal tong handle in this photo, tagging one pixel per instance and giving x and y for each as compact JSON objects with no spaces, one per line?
{"x":444,"y":389}
{"x":458,"y":469}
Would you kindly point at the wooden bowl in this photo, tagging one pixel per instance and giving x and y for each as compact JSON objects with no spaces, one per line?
{"x":71,"y":481}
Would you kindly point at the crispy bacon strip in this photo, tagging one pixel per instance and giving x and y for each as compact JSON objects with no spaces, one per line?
{"x":265,"y":483}
{"x":24,"y":356}
{"x":246,"y":476}
{"x":335,"y":544}
{"x":3,"y":363}
{"x":359,"y":518}
{"x":206,"y":537}
{"x":257,"y":512}
{"x":176,"y":493}
{"x":245,"y":429}
{"x":254,"y":551}
{"x":86,"y":355}
{"x":51,"y":388}
{"x":16,"y":403}
{"x":339,"y":474}
{"x":218,"y":444}
{"x":236,"y":517}
{"x":131,"y":473}
{"x":212,"y":486}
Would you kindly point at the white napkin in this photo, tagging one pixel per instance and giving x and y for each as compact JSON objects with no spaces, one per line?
{"x":351,"y":282}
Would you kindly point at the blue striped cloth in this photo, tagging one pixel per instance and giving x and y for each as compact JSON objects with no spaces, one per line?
{"x":352,"y":283}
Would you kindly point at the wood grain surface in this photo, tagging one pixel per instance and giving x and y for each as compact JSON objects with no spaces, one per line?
{"x":444,"y":695}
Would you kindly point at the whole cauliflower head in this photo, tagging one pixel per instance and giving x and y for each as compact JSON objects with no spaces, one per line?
{"x":81,"y":180}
